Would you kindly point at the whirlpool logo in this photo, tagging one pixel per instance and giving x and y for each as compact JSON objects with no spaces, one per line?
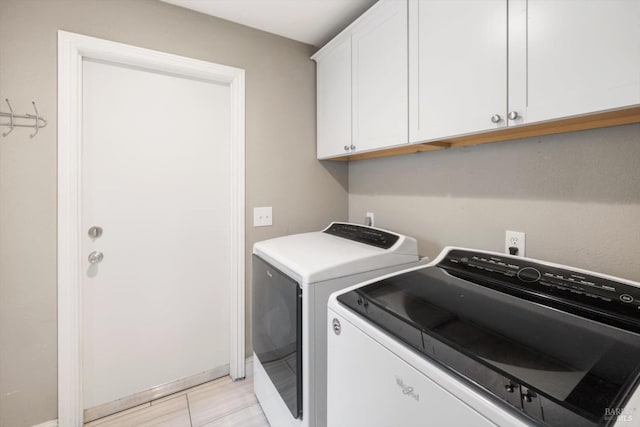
{"x":407,"y":390}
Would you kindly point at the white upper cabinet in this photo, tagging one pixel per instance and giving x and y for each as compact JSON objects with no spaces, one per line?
{"x":583,"y":56}
{"x":420,"y":71}
{"x":457,"y":67}
{"x":362,"y":99}
{"x":478,"y":65}
{"x":334,"y":100}
{"x":379,"y":56}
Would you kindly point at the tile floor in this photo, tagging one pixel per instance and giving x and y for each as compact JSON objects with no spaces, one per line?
{"x":219,"y":403}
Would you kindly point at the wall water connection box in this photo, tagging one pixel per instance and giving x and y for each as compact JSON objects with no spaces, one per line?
{"x":514,"y":243}
{"x":262,"y":217}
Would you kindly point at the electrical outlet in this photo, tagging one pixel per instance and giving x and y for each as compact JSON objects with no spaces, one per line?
{"x":514,"y":239}
{"x":369,"y":219}
{"x":262,"y":217}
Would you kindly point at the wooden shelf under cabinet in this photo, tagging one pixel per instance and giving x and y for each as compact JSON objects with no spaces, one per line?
{"x":570,"y":124}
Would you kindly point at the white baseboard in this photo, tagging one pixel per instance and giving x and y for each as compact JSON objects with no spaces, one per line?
{"x":153,"y":393}
{"x":160,"y":391}
{"x":248,"y":374}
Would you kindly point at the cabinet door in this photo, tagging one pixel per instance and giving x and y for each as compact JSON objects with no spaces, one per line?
{"x":380,"y":77}
{"x":457,"y":67}
{"x":334,"y":100}
{"x":583,"y":56}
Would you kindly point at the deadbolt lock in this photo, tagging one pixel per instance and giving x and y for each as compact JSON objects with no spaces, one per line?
{"x":95,"y":232}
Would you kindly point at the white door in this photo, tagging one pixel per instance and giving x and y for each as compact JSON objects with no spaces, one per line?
{"x":379,"y":89}
{"x":457,"y":67}
{"x":581,"y":57}
{"x":334,"y":100}
{"x":156,"y":180}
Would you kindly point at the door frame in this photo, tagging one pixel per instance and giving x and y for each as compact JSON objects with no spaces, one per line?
{"x":72,"y":49}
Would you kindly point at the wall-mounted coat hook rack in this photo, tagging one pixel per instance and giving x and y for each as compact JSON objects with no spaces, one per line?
{"x":17,"y":120}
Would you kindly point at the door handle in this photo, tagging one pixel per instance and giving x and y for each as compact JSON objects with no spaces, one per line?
{"x":95,"y":257}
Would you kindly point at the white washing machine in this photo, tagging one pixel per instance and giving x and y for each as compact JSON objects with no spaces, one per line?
{"x":293,"y":277}
{"x":478,"y":338}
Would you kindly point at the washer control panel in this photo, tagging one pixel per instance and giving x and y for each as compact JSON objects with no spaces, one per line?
{"x":545,"y":281}
{"x":367,"y":235}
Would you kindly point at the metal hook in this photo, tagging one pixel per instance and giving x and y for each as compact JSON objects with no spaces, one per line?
{"x":40,"y":122}
{"x":10,"y":118}
{"x":37,"y":120}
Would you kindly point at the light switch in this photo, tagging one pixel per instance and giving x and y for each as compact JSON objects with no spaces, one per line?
{"x":262,"y":217}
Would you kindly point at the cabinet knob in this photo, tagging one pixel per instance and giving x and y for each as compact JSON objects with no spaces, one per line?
{"x":346,"y":148}
{"x":496,"y":118}
{"x":513,"y":115}
{"x":353,"y":147}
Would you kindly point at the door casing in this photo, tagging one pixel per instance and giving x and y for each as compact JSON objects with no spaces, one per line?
{"x":72,"y":49}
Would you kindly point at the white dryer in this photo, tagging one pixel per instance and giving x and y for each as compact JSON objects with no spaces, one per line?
{"x":293,"y":277}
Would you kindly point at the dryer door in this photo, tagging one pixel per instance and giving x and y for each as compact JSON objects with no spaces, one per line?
{"x":277,"y":330}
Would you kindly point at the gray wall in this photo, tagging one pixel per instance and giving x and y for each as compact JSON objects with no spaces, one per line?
{"x":577,"y":197}
{"x":280,"y":160}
